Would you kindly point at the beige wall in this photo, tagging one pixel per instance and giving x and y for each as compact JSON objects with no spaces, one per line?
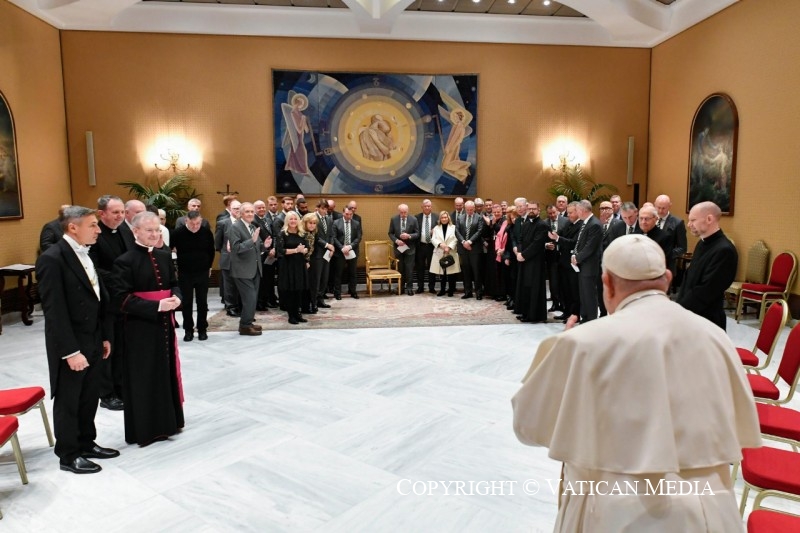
{"x":30,"y":79}
{"x":752,"y":54}
{"x":215,"y":90}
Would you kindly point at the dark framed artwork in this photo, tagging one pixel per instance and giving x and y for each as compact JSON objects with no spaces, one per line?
{"x":363,"y":133}
{"x":712,"y":156}
{"x":10,"y":192}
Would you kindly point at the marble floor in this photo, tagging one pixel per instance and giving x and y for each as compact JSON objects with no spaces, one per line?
{"x":323,"y":430}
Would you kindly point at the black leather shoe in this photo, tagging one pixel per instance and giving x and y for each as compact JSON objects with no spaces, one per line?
{"x":112,"y":403}
{"x":410,"y":292}
{"x":98,"y":452}
{"x":233,"y":312}
{"x":561,"y":317}
{"x":440,"y":293}
{"x":202,"y":336}
{"x":420,"y":290}
{"x":338,"y":296}
{"x":79,"y":465}
{"x":261,"y":308}
{"x":449,"y":294}
{"x":293,"y":320}
{"x":188,"y":336}
{"x":323,"y":305}
{"x":479,"y":296}
{"x":301,"y":319}
{"x":354,"y":295}
{"x":432,"y":290}
{"x":510,"y":305}
{"x":467,"y":295}
{"x":272,"y":305}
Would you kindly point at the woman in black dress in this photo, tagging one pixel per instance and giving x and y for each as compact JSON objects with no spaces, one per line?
{"x":314,"y":257}
{"x":292,"y":246}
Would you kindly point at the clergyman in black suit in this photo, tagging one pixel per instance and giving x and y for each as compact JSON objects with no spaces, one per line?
{"x":469,"y":229}
{"x":346,"y":238}
{"x":426,"y":221}
{"x":648,"y":220}
{"x":115,"y":239}
{"x":404,"y":232}
{"x":713,"y":266}
{"x":78,"y":334}
{"x":586,"y":256}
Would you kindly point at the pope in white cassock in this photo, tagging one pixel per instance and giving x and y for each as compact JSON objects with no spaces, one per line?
{"x":638,"y":403}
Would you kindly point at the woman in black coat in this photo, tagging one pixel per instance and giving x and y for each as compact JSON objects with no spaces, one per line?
{"x":291,"y":245}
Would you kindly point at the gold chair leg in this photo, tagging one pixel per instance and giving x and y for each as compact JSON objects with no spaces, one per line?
{"x":744,"y":499}
{"x":20,"y":461}
{"x":739,"y":309}
{"x":46,"y":424}
{"x":735,"y":471}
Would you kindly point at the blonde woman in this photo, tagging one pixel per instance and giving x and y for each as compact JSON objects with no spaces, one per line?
{"x":291,"y":245}
{"x":314,"y":259}
{"x":444,"y":243}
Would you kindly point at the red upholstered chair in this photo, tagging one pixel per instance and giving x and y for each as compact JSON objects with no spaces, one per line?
{"x":781,"y":277}
{"x":771,"y":327}
{"x":779,"y":423}
{"x":8,"y":432}
{"x":15,"y":402}
{"x":769,"y":521}
{"x":770,"y":470}
{"x":789,"y":370}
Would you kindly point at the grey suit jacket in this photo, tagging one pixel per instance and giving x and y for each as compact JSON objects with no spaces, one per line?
{"x":245,"y":254}
{"x":221,"y":243}
{"x":412,"y":228}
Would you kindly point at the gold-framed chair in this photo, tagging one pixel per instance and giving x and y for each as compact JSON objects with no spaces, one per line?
{"x":381,"y":264}
{"x":8,"y":433}
{"x":771,"y":327}
{"x":781,"y":276}
{"x":756,"y":272}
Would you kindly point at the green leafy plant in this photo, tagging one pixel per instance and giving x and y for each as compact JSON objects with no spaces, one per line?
{"x":577,"y":185}
{"x":172,"y":195}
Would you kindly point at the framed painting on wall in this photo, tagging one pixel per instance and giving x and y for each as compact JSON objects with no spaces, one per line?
{"x":10,"y":193}
{"x":712,"y":156}
{"x":363,"y":133}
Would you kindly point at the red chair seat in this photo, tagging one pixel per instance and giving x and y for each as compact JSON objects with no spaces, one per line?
{"x":761,"y":287}
{"x":13,"y":401}
{"x":772,"y":468}
{"x":764,"y":521}
{"x":763,"y":387}
{"x":8,"y":425}
{"x":748,"y":358}
{"x":779,"y":421}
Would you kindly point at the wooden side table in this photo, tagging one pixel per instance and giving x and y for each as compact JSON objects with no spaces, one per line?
{"x":21,"y":272}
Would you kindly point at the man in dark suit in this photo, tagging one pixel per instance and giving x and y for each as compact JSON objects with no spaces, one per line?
{"x":607,"y":221}
{"x":713,"y":266}
{"x":246,"y":247}
{"x":586,"y":256}
{"x":114,"y":240}
{"x":78,"y":333}
{"x":324,"y":238}
{"x":222,"y":245}
{"x":194,"y":245}
{"x":265,"y":289}
{"x":469,"y":229}
{"x":332,"y":212}
{"x":192,"y":205}
{"x":556,"y":224}
{"x":426,"y":221}
{"x":51,"y":232}
{"x":565,"y":241}
{"x":648,"y":219}
{"x":616,"y":204}
{"x":404,"y":233}
{"x":458,"y":203}
{"x":227,"y":213}
{"x":675,"y":230}
{"x":629,"y":224}
{"x":346,"y":238}
{"x":354,"y":207}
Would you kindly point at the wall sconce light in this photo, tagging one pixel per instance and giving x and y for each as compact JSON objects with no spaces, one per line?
{"x":565,"y":161}
{"x":172,"y":157}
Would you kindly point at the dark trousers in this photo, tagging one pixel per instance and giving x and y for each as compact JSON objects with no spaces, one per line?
{"x":471,"y":269}
{"x":555,"y":289}
{"x":291,"y":301}
{"x":449,"y":280}
{"x":423,"y":265}
{"x":194,"y":285}
{"x":74,"y":409}
{"x":248,"y":292}
{"x":266,"y":289}
{"x":343,"y":264}
{"x":230,"y":292}
{"x":110,"y":376}
{"x":406,"y":266}
{"x":587,"y":286}
{"x":315,"y":284}
{"x":600,"y":302}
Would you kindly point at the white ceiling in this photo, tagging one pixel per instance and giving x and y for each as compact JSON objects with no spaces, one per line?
{"x":620,"y":23}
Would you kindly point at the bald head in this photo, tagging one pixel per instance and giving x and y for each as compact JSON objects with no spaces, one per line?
{"x":704,"y":219}
{"x":133,"y":208}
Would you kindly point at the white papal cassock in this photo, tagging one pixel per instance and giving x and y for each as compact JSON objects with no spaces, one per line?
{"x":652,"y":392}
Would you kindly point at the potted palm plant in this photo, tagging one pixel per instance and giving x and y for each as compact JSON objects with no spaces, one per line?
{"x":575,"y":184}
{"x":171,"y":195}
